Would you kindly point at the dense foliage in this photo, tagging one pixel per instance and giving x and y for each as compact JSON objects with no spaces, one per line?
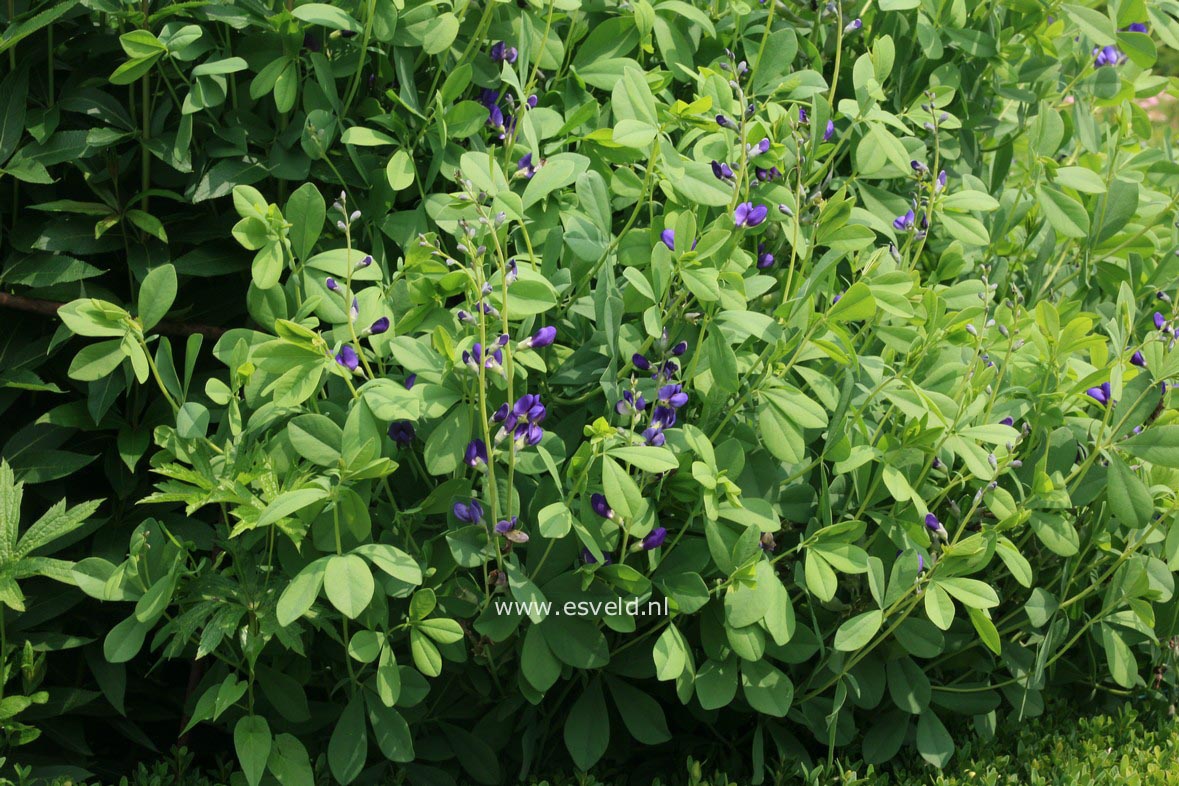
{"x":845,"y":334}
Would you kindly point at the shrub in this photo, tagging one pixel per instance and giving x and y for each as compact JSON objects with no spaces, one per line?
{"x":844,"y":339}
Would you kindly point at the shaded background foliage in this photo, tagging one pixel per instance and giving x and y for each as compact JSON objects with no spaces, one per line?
{"x":167,"y":137}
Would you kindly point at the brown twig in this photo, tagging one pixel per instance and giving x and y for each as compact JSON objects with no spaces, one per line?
{"x":49,"y":308}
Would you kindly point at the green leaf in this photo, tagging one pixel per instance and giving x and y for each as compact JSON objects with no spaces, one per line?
{"x":649,"y":459}
{"x":767,"y":689}
{"x":391,"y":560}
{"x":289,"y":762}
{"x":252,"y":741}
{"x":305,"y":210}
{"x":641,"y":714}
{"x":348,"y":746}
{"x":1129,"y":498}
{"x":156,"y":295}
{"x":858,"y":631}
{"x":124,"y":640}
{"x":970,"y":592}
{"x":855,"y":305}
{"x":327,"y":16}
{"x":366,"y":137}
{"x":301,"y":593}
{"x":1158,"y":444}
{"x":933,"y":741}
{"x":348,"y":584}
{"x":400,"y":171}
{"x":587,"y":727}
{"x":670,"y":654}
{"x":289,"y":502}
{"x":1066,"y":215}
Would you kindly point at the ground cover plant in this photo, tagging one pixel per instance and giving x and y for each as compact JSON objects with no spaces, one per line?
{"x":369,"y":368}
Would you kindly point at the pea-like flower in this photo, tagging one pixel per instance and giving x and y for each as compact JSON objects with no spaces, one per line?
{"x":541,"y":338}
{"x":1137,"y":27}
{"x":402,"y":432}
{"x":668,"y":238}
{"x":905,"y":222}
{"x":501,"y":52}
{"x":750,"y":215}
{"x":1100,"y":394}
{"x":476,"y":356}
{"x":853,"y":25}
{"x":588,"y":558}
{"x":1106,"y":56}
{"x":1160,"y":322}
{"x":600,"y":506}
{"x":332,"y":284}
{"x":348,"y":358}
{"x":525,"y":167}
{"x":764,"y":258}
{"x":1007,"y":421}
{"x":510,"y":529}
{"x":673,"y":396}
{"x":378,"y":327}
{"x":476,"y":454}
{"x":722,"y":171}
{"x":654,"y":539}
{"x":829,"y":131}
{"x":630,"y":404}
{"x":468,"y":512}
{"x":1138,"y":360}
{"x":724,"y":122}
{"x":935,"y":526}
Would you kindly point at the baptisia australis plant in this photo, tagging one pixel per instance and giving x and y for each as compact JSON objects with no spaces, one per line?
{"x":843,"y":334}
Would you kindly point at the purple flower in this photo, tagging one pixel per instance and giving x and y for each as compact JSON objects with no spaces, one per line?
{"x":347,"y":357}
{"x":941,"y":182}
{"x":1160,"y":322}
{"x":525,"y":167}
{"x":829,"y":131}
{"x":723,"y":122}
{"x":379,"y":327}
{"x":541,"y":338}
{"x":600,"y":506}
{"x":630,"y":404}
{"x":802,"y":116}
{"x":918,"y":167}
{"x":654,"y":539}
{"x":468,"y":513}
{"x":332,"y":285}
{"x":1136,"y":27}
{"x":501,"y":52}
{"x":654,"y":437}
{"x":588,"y":558}
{"x":853,"y":26}
{"x":640,"y":362}
{"x":354,"y":312}
{"x":410,"y":380}
{"x":476,"y":453}
{"x":1138,"y":360}
{"x":764,"y":258}
{"x":1008,"y":421}
{"x":905,"y":222}
{"x":1107,"y":55}
{"x":722,"y":171}
{"x":673,"y":396}
{"x":512,"y":273}
{"x":679,"y":349}
{"x":749,"y":215}
{"x":836,"y":299}
{"x":764,"y":145}
{"x":532,"y":101}
{"x":510,"y":529}
{"x":668,"y":238}
{"x":401,"y":432}
{"x":1100,"y":394}
{"x":933,"y":525}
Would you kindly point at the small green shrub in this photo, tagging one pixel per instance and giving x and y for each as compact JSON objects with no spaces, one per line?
{"x":419,"y":346}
